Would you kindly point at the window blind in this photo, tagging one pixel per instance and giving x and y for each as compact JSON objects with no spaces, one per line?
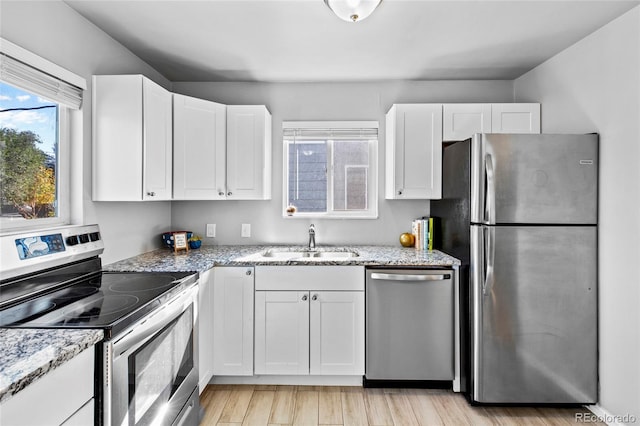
{"x":23,"y":76}
{"x":299,"y":134}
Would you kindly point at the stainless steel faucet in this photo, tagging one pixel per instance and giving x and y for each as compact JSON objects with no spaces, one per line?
{"x":312,"y":236}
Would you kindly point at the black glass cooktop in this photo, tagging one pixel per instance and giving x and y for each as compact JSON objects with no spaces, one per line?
{"x":107,"y":300}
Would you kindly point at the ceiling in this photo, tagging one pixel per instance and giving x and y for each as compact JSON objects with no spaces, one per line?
{"x":302,"y":41}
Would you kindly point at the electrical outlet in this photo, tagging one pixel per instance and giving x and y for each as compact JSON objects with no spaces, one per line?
{"x":246,"y":230}
{"x":211,"y":230}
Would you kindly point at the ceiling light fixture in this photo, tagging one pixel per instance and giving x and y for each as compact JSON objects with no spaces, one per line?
{"x":352,"y":10}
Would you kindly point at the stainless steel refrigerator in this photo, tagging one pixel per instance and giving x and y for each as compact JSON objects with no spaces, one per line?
{"x":521,"y":213}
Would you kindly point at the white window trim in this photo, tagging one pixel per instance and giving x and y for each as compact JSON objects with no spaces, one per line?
{"x":66,"y":117}
{"x":372,"y":198}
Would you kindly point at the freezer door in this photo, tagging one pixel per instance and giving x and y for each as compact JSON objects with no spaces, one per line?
{"x":526,"y":179}
{"x":534,"y":313}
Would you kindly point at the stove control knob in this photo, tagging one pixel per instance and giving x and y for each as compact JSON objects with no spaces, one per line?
{"x":94,"y":236}
{"x":84,"y":238}
{"x":72,"y":240}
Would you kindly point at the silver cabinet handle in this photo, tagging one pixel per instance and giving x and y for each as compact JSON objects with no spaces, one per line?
{"x":151,"y":194}
{"x":407,"y":277}
{"x":400,"y":192}
{"x":221,"y":193}
{"x":229,"y":193}
{"x":315,"y":297}
{"x":304,"y":298}
{"x":248,"y":272}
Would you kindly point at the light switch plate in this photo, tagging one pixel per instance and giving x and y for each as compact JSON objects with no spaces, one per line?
{"x":246,"y":230}
{"x":211,"y":230}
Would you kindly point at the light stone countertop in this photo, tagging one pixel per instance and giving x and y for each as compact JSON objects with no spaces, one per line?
{"x":206,"y":257}
{"x":28,"y":354}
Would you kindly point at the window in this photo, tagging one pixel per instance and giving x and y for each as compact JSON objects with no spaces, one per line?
{"x":34,"y":139}
{"x":330,"y":169}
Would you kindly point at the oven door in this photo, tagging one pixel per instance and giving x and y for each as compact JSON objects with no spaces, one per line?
{"x":153,"y":369}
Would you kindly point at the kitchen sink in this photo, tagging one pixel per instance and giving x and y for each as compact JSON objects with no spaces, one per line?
{"x":285,"y":254}
{"x":334,"y":254}
{"x":308,"y":254}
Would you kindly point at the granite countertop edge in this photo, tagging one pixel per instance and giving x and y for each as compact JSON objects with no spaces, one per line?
{"x":207,"y":257}
{"x":29,"y":354}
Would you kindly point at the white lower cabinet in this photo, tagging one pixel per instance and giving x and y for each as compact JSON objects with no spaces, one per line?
{"x":233,"y":321}
{"x":336,"y":332}
{"x":282,"y":332}
{"x":309,"y":320}
{"x":204,"y":324}
{"x":63,"y":397}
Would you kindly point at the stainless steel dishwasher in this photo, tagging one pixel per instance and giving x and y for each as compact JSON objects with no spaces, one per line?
{"x":409,"y":325}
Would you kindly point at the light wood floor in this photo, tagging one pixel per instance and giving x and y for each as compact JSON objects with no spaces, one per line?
{"x":335,"y":405}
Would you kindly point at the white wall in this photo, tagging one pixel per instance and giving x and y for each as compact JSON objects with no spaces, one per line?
{"x":54,"y":31}
{"x":326,"y":101}
{"x":594,"y":86}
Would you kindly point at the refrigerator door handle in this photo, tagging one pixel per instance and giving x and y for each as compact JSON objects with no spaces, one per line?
{"x":490,"y":201}
{"x":490,"y":254}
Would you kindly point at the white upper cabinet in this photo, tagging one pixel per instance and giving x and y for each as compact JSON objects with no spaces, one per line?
{"x":248,"y":152}
{"x":515,"y":118}
{"x":461,"y":121}
{"x":414,"y":151}
{"x":415,"y":133}
{"x":199,"y":149}
{"x":132,"y":139}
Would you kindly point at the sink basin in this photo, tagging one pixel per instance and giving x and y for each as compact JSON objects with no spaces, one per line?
{"x":334,"y":254}
{"x":310,"y":255}
{"x":286,"y":254}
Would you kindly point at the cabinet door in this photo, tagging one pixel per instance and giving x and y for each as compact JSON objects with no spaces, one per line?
{"x":414,"y":151}
{"x":204,"y":325}
{"x":336,"y":328}
{"x":282,"y":332}
{"x":55,"y":397}
{"x":515,"y":118}
{"x":248,"y":152}
{"x":116,"y":133}
{"x":233,"y":321}
{"x":199,"y":149}
{"x":157,"y":142}
{"x":461,"y":121}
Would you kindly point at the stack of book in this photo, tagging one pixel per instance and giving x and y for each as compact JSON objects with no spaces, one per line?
{"x":425,"y":232}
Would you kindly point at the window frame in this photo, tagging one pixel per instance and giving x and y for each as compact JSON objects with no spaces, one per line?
{"x":372,"y":174}
{"x":66,"y":135}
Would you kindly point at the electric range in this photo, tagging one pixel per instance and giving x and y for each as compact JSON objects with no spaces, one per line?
{"x":146,"y":368}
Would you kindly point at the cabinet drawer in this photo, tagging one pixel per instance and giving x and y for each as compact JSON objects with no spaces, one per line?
{"x":296,"y":278}
{"x":55,"y":397}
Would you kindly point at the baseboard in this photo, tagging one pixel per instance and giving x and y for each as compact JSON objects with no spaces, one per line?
{"x":602,"y":415}
{"x":288,"y":380}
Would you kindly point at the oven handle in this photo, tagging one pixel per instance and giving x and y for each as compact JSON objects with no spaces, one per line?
{"x":156,"y":321}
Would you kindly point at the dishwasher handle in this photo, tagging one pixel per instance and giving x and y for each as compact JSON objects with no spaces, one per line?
{"x":410,"y":277}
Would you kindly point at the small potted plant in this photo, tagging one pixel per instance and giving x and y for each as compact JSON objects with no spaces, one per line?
{"x":195,"y":242}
